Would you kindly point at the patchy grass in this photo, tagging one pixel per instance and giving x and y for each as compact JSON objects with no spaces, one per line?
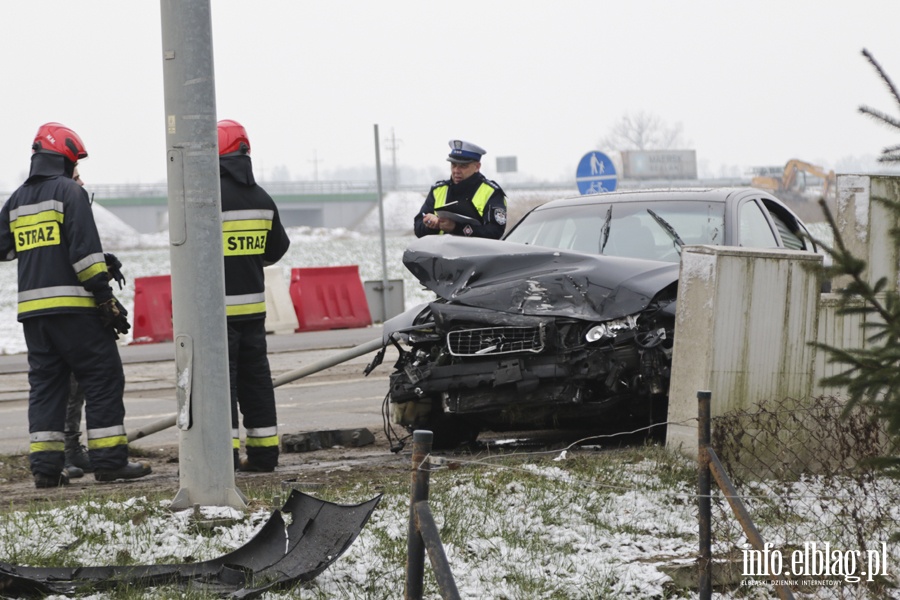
{"x":14,"y":468}
{"x":558,"y":525}
{"x":514,"y":526}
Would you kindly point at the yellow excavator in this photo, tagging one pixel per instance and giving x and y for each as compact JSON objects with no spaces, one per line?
{"x":800,"y":181}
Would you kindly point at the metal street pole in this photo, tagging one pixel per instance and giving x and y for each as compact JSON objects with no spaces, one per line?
{"x":206,"y":467}
{"x":384,"y":276}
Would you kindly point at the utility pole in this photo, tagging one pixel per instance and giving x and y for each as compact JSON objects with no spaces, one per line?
{"x":384,"y":277}
{"x":392,"y":144}
{"x":315,"y":160}
{"x":206,"y":467}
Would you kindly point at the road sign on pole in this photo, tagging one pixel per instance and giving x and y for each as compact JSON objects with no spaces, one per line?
{"x":596,"y":173}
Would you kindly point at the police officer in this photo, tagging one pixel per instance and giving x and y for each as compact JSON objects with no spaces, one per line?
{"x":253,"y":238}
{"x":469,"y":203}
{"x":69,"y":315}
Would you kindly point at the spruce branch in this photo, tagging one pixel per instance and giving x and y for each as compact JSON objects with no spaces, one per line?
{"x":879,"y":116}
{"x":882,"y":74}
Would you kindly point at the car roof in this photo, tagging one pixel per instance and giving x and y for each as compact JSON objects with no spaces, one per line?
{"x":712,"y":194}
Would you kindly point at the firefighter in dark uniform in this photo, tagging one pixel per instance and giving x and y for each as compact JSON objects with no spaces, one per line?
{"x":69,"y":315}
{"x":77,"y":460}
{"x":253,"y":238}
{"x":470,"y":204}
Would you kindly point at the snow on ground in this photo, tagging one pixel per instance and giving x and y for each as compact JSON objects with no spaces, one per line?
{"x":398,"y":208}
{"x":531,"y":531}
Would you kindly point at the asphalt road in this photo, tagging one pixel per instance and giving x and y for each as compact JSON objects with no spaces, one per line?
{"x":337,"y":397}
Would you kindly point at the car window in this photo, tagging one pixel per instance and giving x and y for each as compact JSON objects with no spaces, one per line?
{"x":567,"y":231}
{"x":789,"y":238}
{"x":633,"y":231}
{"x":754,"y":228}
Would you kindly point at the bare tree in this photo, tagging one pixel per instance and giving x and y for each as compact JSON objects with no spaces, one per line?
{"x":891,"y":153}
{"x":642,"y":131}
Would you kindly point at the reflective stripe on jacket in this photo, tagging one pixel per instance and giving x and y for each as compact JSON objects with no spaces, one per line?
{"x":245,"y":233}
{"x":252,"y":238}
{"x":61,"y":296}
{"x":479,"y":200}
{"x":48,"y":225}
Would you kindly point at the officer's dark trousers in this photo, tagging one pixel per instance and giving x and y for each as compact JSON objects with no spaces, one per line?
{"x":252,"y":391}
{"x":58,"y":346}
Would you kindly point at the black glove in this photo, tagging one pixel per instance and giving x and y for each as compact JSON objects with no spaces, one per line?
{"x":114,"y":316}
{"x":114,"y":266}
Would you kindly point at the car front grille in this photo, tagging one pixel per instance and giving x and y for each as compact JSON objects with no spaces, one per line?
{"x":495,"y":340}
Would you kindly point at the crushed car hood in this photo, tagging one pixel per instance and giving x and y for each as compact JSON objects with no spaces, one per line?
{"x":533,"y":280}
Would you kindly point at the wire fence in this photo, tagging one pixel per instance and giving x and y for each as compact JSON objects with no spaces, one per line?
{"x":807,"y":473}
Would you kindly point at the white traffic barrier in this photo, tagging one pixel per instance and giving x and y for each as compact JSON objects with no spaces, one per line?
{"x":280,"y":314}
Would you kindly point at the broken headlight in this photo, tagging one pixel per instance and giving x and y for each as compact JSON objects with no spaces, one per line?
{"x":609,"y":329}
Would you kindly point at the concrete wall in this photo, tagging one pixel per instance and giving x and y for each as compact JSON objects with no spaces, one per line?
{"x":747,"y":319}
{"x":744,"y":322}
{"x":864,"y":223}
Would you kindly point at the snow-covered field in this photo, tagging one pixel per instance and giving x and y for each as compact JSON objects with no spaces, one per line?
{"x":145,"y":255}
{"x":557,"y":525}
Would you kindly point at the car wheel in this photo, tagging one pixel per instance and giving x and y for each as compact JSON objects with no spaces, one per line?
{"x":659,"y":414}
{"x":450,"y":431}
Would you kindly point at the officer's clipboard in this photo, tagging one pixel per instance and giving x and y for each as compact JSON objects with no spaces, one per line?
{"x":456,"y":217}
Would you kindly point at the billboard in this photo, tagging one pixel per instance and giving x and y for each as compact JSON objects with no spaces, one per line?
{"x":506,"y":164}
{"x":659,"y":164}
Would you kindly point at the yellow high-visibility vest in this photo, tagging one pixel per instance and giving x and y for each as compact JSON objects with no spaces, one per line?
{"x":479,"y":200}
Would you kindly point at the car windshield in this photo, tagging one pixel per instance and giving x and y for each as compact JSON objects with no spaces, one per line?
{"x":632,"y":230}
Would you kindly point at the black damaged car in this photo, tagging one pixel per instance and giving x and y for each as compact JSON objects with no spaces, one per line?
{"x":568,"y":321}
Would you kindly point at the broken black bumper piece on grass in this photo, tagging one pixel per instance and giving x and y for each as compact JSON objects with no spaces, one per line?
{"x":280,"y":555}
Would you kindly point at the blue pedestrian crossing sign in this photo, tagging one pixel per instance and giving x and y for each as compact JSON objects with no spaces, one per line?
{"x":596,"y":173}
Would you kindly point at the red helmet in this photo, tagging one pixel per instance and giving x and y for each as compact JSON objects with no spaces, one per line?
{"x":232,"y":138}
{"x":57,"y":138}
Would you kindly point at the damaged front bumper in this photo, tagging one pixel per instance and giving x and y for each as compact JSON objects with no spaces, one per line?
{"x":503,"y":371}
{"x":289,"y":549}
{"x":529,"y":337}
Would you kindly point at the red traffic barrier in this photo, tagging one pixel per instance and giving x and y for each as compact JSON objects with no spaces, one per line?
{"x":153,"y":310}
{"x":329,"y":298}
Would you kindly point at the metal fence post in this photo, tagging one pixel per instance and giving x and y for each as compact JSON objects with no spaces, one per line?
{"x":415,"y":546}
{"x":432,"y":540}
{"x":704,"y":504}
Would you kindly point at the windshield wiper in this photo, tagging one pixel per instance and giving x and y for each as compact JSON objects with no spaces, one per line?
{"x":604,"y":231}
{"x":668,"y":229}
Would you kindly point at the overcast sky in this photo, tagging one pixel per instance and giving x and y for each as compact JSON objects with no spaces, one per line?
{"x":750,"y":83}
